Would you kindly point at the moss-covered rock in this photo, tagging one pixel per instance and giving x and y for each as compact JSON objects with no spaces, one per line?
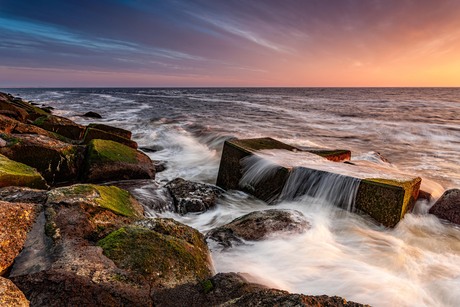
{"x":126,"y":134}
{"x":13,"y":173}
{"x":10,"y":295}
{"x":118,"y":201}
{"x":32,"y":111}
{"x":93,"y":133}
{"x":57,"y":161}
{"x":165,"y":255}
{"x":108,"y":161}
{"x":61,"y":125}
{"x":16,"y":219}
{"x":10,"y":110}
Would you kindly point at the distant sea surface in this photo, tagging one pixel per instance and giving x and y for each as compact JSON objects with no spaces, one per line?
{"x":416,"y":129}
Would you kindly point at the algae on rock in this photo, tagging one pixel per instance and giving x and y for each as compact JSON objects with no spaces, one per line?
{"x":13,"y":173}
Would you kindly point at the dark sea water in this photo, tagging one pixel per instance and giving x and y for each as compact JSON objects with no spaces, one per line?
{"x":416,"y":129}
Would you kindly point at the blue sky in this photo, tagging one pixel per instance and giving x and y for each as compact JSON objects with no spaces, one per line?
{"x":229,"y":43}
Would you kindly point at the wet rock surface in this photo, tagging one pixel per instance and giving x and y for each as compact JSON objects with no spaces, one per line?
{"x":15,"y":194}
{"x":192,"y":196}
{"x":448,"y":206}
{"x":259,"y":225}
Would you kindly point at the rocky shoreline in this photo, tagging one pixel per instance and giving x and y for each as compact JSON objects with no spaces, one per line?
{"x":73,"y":230}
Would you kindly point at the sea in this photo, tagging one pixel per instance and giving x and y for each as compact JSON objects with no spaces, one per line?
{"x":412,"y":130}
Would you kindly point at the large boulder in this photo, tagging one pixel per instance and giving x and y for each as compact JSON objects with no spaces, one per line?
{"x":192,"y":196}
{"x":13,"y":173}
{"x":162,"y":251}
{"x":126,"y":134}
{"x":57,"y":161}
{"x":61,"y":125}
{"x":259,"y":225}
{"x":10,"y":125}
{"x":16,"y":220}
{"x":10,"y":110}
{"x":92,"y":114}
{"x":10,"y":295}
{"x":109,"y":161}
{"x":448,"y":206}
{"x":94,"y":133}
{"x":32,"y":111}
{"x":89,"y":211}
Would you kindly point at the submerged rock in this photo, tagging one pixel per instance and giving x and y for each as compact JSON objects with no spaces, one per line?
{"x":16,"y":220}
{"x":92,"y":114}
{"x":448,"y":206}
{"x":259,"y":225}
{"x":109,"y":160}
{"x":163,"y":251}
{"x":57,"y":161}
{"x":13,"y":173}
{"x":192,"y":196}
{"x":10,"y":295}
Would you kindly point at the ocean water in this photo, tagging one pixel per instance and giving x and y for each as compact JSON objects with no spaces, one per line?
{"x":417,"y":130}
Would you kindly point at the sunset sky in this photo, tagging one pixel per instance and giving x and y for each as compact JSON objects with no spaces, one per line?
{"x":145,"y":43}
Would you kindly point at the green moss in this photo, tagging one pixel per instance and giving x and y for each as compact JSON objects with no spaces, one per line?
{"x":40,"y":121}
{"x":251,"y":145}
{"x":110,"y":151}
{"x":109,"y":197}
{"x":207,"y":286}
{"x":163,"y":259}
{"x":13,"y":173}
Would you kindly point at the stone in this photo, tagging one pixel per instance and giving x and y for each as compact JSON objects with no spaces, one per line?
{"x":447,"y":207}
{"x":61,"y":125}
{"x":12,"y":110}
{"x":192,"y":196}
{"x":126,"y":134}
{"x":13,"y":173}
{"x":15,"y":194}
{"x":163,"y":251}
{"x":92,"y":114}
{"x":56,"y":161}
{"x":16,"y":220}
{"x":10,"y":125}
{"x":93,"y":133}
{"x":108,"y":161}
{"x":259,"y":225}
{"x":63,"y":288}
{"x":33,"y":112}
{"x":10,"y":295}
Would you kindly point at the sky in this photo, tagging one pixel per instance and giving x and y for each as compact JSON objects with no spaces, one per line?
{"x":214,"y":43}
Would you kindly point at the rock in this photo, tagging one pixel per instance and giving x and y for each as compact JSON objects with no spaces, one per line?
{"x":93,"y":133}
{"x":192,"y":196}
{"x":55,"y":160}
{"x":92,"y":114}
{"x":163,"y":251}
{"x":447,"y":207}
{"x":160,"y":166}
{"x":9,"y":125}
{"x":108,"y":161}
{"x":61,"y":125}
{"x":259,"y":225}
{"x":273,"y":297}
{"x":34,"y":112}
{"x":10,"y":295}
{"x":16,"y":194}
{"x":233,"y":289}
{"x":10,"y":110}
{"x":62,"y":288}
{"x":16,"y":219}
{"x":13,"y":173}
{"x":126,"y":134}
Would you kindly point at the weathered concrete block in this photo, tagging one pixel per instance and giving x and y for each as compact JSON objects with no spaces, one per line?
{"x":386,"y":199}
